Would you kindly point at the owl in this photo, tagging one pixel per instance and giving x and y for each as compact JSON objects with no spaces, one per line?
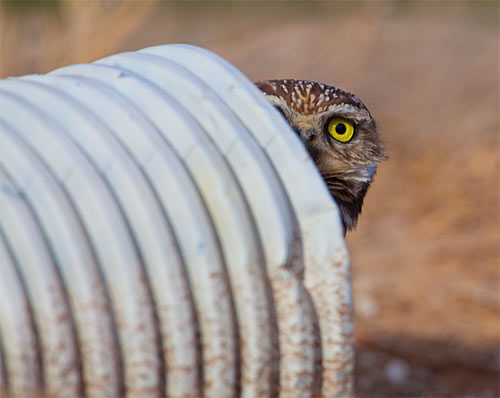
{"x":339,"y":133}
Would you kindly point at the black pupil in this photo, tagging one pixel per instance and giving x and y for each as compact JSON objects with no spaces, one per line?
{"x":340,"y":128}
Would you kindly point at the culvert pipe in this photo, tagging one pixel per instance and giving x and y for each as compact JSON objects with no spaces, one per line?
{"x":163,"y":232}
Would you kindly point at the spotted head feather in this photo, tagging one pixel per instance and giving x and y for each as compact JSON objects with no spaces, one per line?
{"x":338,"y":131}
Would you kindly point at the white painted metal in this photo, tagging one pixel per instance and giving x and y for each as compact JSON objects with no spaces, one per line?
{"x":3,"y":376}
{"x":148,"y":225}
{"x":106,"y":227}
{"x":193,"y":246}
{"x":18,"y":341}
{"x":81,"y":276}
{"x":275,"y":220}
{"x":258,"y":360}
{"x":230,"y":214}
{"x":327,"y":274}
{"x":190,"y":222}
{"x":36,"y":267}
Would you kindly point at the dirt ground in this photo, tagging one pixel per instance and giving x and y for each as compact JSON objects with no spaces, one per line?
{"x":425,"y":256}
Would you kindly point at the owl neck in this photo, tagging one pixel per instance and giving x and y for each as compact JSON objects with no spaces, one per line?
{"x":349,"y":195}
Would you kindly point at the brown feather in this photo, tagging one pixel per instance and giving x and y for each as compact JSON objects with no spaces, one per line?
{"x":347,"y":168}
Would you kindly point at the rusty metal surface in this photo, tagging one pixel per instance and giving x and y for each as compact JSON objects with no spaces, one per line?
{"x":34,"y":261}
{"x":189,"y":219}
{"x":259,"y":354}
{"x":3,"y":376}
{"x":18,"y":341}
{"x":209,"y":283}
{"x":82,"y":280}
{"x":3,"y":373}
{"x":192,"y":246}
{"x":275,"y":221}
{"x":140,"y":208}
{"x":110,"y":236}
{"x":327,"y":272}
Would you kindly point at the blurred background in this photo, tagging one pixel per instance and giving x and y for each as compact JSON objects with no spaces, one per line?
{"x":425,"y":256}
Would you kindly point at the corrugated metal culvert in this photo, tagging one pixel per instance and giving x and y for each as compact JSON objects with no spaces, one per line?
{"x":164,"y":233}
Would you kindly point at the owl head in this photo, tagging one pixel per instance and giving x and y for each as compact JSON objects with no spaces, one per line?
{"x":339,"y":133}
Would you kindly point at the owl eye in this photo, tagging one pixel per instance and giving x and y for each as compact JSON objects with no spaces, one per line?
{"x":341,"y":129}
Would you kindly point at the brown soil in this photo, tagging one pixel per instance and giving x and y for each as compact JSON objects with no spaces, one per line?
{"x":425,"y":257}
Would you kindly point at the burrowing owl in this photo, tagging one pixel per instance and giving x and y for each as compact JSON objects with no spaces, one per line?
{"x":339,"y":133}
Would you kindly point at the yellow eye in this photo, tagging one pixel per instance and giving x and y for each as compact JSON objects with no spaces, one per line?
{"x":341,"y":129}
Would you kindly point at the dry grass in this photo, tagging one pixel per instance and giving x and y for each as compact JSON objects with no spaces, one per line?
{"x":426,"y":253}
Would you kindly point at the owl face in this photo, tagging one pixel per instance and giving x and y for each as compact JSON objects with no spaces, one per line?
{"x":338,"y":132}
